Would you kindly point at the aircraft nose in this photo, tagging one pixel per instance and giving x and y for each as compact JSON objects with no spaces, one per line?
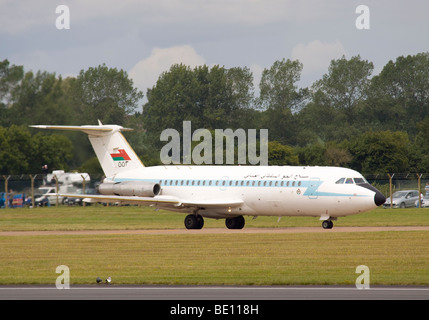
{"x":379,"y":198}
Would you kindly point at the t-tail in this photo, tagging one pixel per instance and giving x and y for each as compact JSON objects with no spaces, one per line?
{"x":112,"y":149}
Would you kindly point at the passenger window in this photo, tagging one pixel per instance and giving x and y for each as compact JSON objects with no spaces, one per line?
{"x":340,"y":181}
{"x":349,"y":181}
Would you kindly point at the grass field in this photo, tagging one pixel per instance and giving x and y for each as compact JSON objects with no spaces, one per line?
{"x":400,"y":257}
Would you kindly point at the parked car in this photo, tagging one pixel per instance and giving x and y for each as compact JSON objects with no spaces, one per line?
{"x":78,"y":201}
{"x":402,"y":199}
{"x":39,"y":201}
{"x":425,"y":202}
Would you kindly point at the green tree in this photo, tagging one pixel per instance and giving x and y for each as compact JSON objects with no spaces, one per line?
{"x":324,"y":154}
{"x":105,"y":94}
{"x":279,"y":154}
{"x":10,"y":76}
{"x":55,"y":150}
{"x":380,"y":152}
{"x":40,"y":99}
{"x":280,"y":98}
{"x":344,"y":89}
{"x":420,"y":146}
{"x":211,"y":98}
{"x":16,"y":148}
{"x":400,"y":94}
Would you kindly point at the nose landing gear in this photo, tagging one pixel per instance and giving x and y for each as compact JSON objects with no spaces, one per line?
{"x":327,"y":224}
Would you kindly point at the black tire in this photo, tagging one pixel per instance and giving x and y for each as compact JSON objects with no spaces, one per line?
{"x":200,"y":221}
{"x":194,"y":221}
{"x":327,"y":224}
{"x":235,"y":223}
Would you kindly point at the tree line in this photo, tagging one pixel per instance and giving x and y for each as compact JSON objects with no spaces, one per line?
{"x":350,"y":117}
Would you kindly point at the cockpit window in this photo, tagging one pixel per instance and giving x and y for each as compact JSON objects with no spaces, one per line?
{"x":359,"y":180}
{"x":349,"y":181}
{"x":340,"y":181}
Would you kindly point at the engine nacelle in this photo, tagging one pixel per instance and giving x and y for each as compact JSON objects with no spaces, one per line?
{"x":130,"y":188}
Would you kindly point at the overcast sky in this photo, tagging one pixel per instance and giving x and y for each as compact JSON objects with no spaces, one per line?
{"x":144,"y":37}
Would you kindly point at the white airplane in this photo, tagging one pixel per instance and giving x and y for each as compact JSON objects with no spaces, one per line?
{"x":224,"y":192}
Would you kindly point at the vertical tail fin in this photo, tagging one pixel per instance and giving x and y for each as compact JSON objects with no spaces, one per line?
{"x":112,"y":149}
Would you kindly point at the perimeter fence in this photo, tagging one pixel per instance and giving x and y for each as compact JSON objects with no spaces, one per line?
{"x":31,"y":190}
{"x":25,"y":189}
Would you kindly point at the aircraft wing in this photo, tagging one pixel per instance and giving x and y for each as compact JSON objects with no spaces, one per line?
{"x":162,"y":201}
{"x":158,"y":200}
{"x":213,"y":203}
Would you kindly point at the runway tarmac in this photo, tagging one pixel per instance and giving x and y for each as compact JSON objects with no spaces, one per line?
{"x":217,"y":231}
{"x":221,"y":293}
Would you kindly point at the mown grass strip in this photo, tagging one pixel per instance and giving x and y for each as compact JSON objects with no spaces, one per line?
{"x":229,"y":259}
{"x":132,"y":217}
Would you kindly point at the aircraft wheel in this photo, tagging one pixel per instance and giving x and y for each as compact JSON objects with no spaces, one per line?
{"x":200,"y":221}
{"x":194,"y":221}
{"x":235,"y":223}
{"x":327,"y":224}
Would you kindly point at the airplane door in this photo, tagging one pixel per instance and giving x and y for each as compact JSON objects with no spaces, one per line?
{"x":313,"y":185}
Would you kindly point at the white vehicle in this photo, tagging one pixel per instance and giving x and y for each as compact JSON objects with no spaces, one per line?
{"x":425,"y":202}
{"x":224,"y":192}
{"x":50,"y":193}
{"x":68,"y":178}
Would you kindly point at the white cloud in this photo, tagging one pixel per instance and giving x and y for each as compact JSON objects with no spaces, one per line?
{"x":146,"y":72}
{"x":317,"y":55}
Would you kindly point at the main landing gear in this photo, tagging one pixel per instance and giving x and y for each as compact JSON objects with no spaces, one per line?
{"x":195,"y":221}
{"x":235,"y":223}
{"x":327,"y":224}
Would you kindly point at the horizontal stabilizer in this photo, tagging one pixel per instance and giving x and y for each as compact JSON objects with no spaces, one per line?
{"x":92,"y":130}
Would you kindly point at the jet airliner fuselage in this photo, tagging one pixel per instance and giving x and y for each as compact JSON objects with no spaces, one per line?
{"x":227,"y":192}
